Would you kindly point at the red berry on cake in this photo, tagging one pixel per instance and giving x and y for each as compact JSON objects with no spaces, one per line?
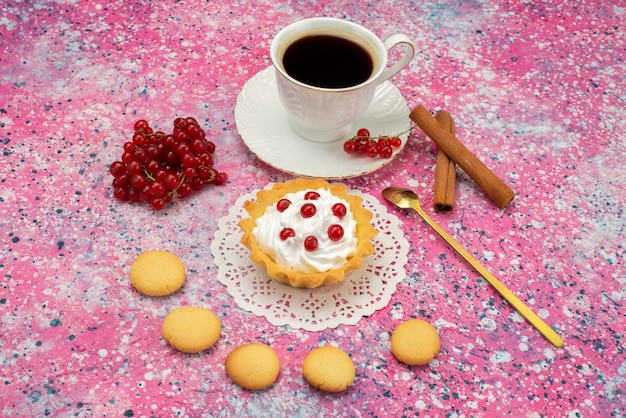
{"x":308,"y":210}
{"x":335,"y":232}
{"x":282,"y":205}
{"x":287,"y":233}
{"x":310,"y":243}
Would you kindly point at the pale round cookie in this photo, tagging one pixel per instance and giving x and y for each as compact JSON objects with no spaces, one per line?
{"x":328,"y":369}
{"x":415,"y":342}
{"x":157,"y":273}
{"x":191,"y":329}
{"x":253,"y":366}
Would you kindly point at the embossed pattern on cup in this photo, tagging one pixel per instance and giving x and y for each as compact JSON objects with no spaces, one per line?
{"x":315,"y":117}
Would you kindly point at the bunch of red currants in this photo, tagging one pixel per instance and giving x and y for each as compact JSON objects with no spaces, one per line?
{"x":157,"y":167}
{"x":364,"y":143}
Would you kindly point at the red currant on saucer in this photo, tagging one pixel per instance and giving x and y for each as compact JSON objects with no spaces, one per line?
{"x":372,"y":146}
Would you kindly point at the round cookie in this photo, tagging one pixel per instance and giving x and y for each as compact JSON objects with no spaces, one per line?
{"x":253,"y":366}
{"x":328,"y":369}
{"x":191,"y":329}
{"x":415,"y":342}
{"x":157,"y":273}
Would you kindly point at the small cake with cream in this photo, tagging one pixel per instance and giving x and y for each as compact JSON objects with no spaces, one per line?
{"x":307,"y":233}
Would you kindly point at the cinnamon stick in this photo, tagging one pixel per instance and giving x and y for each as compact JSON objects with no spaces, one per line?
{"x":445,"y":170}
{"x":493,"y":187}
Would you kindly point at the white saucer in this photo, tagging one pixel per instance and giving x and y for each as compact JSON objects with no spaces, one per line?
{"x":264,"y":127}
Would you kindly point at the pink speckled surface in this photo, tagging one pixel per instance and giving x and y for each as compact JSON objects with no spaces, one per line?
{"x":537,"y":90}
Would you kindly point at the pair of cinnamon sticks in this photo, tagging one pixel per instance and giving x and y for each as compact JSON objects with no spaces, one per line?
{"x":451,"y":153}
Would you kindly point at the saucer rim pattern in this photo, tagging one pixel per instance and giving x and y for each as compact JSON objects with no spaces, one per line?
{"x":262,"y":135}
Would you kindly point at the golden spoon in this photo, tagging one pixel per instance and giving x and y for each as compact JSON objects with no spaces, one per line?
{"x":405,"y":199}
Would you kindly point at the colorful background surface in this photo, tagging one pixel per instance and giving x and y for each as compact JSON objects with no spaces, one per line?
{"x":537,"y":90}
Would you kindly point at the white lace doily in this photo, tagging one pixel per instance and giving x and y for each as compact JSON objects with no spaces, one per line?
{"x":362,"y":292}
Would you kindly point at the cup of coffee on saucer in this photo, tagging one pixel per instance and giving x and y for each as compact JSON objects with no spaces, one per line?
{"x":327,"y":71}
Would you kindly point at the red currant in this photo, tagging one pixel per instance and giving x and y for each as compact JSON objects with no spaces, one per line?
{"x":190,"y":172}
{"x":206,"y":159}
{"x":189,"y":160}
{"x":142,"y":125}
{"x":157,"y":189}
{"x":311,"y":195}
{"x":182,"y":149}
{"x":193,"y":131}
{"x":171,"y":157}
{"x":139,"y":154}
{"x":310,"y":243}
{"x":134,"y":167}
{"x":385,"y":151}
{"x":282,"y":204}
{"x":198,"y":145}
{"x":139,"y":139}
{"x":184,"y":189}
{"x":221,"y":178}
{"x":138,"y":181}
{"x":339,"y":210}
{"x":117,"y":168}
{"x":180,"y":137}
{"x":362,"y":144}
{"x":206,"y":173}
{"x":152,"y":166}
{"x":363,"y":133}
{"x":122,"y":180}
{"x":152,"y":151}
{"x":350,"y":146}
{"x":371,"y":150}
{"x":158,"y":203}
{"x":170,"y":181}
{"x":134,"y":195}
{"x":197,"y":183}
{"x":335,"y":232}
{"x":160,"y":174}
{"x":127,"y":157}
{"x":307,"y":210}
{"x":180,"y":123}
{"x":128,"y":147}
{"x":286,"y":233}
{"x":121,"y":193}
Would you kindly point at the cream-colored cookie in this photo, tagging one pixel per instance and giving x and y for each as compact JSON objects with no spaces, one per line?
{"x":328,"y":369}
{"x":415,"y":342}
{"x":157,"y":273}
{"x":191,"y":329}
{"x":253,"y":366}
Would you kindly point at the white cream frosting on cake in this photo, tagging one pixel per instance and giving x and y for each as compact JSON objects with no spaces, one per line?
{"x":290,"y":250}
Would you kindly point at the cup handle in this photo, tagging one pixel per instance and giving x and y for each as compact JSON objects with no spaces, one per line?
{"x":391,"y":42}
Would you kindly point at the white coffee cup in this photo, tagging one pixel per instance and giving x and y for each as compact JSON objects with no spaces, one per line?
{"x":326,"y":114}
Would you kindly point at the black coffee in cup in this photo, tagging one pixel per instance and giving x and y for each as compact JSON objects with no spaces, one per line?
{"x":328,"y":61}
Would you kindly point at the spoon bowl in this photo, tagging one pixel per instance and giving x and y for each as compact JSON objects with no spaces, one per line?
{"x":402,"y":198}
{"x":408,"y":199}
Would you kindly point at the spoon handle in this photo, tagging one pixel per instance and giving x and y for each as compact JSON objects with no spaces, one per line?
{"x":509,"y":296}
